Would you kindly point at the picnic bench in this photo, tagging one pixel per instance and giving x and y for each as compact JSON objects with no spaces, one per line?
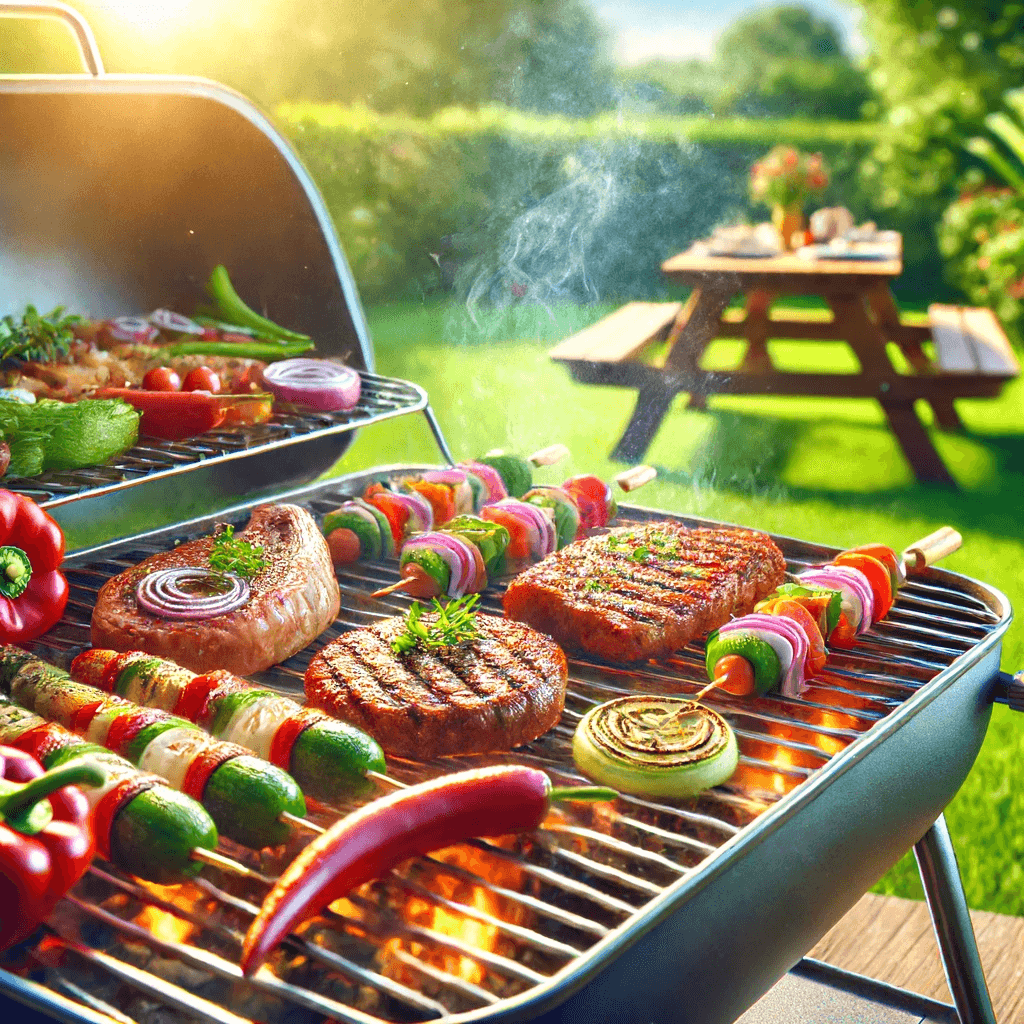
{"x":972,"y":356}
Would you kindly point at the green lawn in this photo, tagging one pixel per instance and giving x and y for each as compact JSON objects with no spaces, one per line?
{"x":819,"y":469}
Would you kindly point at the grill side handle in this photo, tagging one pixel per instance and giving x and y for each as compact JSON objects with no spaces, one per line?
{"x":1009,"y":689}
{"x":62,"y":12}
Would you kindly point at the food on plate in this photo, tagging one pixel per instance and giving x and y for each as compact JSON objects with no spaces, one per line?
{"x":782,"y":644}
{"x":644,"y":591}
{"x":655,"y":746}
{"x":443,"y":681}
{"x":318,"y":384}
{"x":328,"y":758}
{"x":224,"y":602}
{"x":244,"y":795}
{"x":138,"y":822}
{"x":45,"y":841}
{"x":369,"y":842}
{"x":48,"y":434}
{"x":33,"y":591}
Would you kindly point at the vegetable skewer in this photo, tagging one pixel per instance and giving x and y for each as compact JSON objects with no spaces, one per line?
{"x":327,"y":757}
{"x":252,"y":802}
{"x":783,"y":640}
{"x":367,"y":843}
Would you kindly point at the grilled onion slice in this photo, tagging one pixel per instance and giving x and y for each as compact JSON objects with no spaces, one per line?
{"x":655,"y":746}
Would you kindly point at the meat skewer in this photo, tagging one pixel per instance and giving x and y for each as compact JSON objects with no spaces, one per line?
{"x":251,"y":801}
{"x":783,"y":641}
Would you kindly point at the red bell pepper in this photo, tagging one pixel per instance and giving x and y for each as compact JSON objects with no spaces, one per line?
{"x":45,"y":841}
{"x":369,"y":842}
{"x":33,"y":593}
{"x":171,"y":415}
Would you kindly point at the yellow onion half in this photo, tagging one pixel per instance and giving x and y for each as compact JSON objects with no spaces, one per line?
{"x":655,"y":746}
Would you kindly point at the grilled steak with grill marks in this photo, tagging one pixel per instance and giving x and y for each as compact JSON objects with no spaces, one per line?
{"x":645,"y":591}
{"x":493,"y":693}
{"x":292,"y":601}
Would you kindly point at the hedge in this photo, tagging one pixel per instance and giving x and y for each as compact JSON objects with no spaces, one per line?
{"x":498,"y":204}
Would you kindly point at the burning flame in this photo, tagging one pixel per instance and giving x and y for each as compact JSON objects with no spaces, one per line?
{"x":469,"y":931}
{"x":164,"y":925}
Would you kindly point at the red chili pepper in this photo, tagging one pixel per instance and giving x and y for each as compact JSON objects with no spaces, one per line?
{"x":369,"y":842}
{"x":33,"y":594}
{"x":172,"y":415}
{"x":45,"y":841}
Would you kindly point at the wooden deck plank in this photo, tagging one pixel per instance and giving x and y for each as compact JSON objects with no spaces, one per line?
{"x":892,"y":940}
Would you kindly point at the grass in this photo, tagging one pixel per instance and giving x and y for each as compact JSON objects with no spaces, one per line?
{"x":824,"y":470}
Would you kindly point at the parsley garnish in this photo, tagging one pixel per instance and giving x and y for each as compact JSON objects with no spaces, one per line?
{"x":37,"y":337}
{"x":231,"y":554}
{"x":455,"y":624}
{"x":597,"y":585}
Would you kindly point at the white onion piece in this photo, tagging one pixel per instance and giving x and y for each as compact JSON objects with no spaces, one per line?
{"x":162,"y":593}
{"x":134,"y":330}
{"x":314,"y":383}
{"x":792,"y":683}
{"x":858,"y":601}
{"x":773,"y":638}
{"x":168,"y":320}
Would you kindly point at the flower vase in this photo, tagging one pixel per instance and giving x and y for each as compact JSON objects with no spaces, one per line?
{"x":788,"y":220}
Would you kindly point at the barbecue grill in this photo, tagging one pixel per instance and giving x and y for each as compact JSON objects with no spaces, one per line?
{"x":652,"y":910}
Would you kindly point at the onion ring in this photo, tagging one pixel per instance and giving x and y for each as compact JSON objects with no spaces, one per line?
{"x":161,"y":593}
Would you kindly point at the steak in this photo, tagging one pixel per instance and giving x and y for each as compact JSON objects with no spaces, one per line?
{"x":292,"y":601}
{"x":504,"y":688}
{"x":645,"y":591}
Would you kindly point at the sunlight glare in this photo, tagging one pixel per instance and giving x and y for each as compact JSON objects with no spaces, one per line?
{"x":154,"y":15}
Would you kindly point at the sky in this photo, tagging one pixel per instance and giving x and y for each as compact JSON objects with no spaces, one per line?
{"x":678,"y":29}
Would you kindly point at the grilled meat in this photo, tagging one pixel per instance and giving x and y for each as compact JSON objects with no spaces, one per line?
{"x":645,"y":591}
{"x":293,"y":600}
{"x":496,"y":692}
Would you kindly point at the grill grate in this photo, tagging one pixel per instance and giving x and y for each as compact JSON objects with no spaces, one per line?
{"x":380,"y":398}
{"x":464,"y":930}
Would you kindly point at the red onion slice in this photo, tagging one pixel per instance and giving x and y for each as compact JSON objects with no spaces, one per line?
{"x":523,"y":511}
{"x":858,"y":600}
{"x":455,"y":553}
{"x":544,"y":520}
{"x":462,"y":493}
{"x":421,"y":515}
{"x":490,"y":478}
{"x":792,"y":684}
{"x":168,"y":320}
{"x":133,"y":330}
{"x":314,"y":383}
{"x":175,"y":593}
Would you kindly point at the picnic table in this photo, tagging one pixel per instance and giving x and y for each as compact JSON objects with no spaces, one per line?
{"x":972,"y":356}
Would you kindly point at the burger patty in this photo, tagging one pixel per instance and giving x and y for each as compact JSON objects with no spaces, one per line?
{"x":645,"y":591}
{"x":503,"y":689}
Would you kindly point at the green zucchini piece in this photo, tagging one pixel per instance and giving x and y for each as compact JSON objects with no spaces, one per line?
{"x":330,"y":760}
{"x":246,"y":796}
{"x":516,"y":472}
{"x":434,"y":565}
{"x":154,"y":835}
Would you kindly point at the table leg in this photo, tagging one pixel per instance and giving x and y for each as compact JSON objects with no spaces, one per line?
{"x":866,"y":339}
{"x":882,"y":303}
{"x":757,"y":330}
{"x":699,"y":321}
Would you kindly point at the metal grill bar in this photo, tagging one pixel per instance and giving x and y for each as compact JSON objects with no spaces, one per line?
{"x":577,"y":880}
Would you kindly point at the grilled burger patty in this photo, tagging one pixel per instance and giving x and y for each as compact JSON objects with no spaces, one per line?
{"x":496,"y":692}
{"x":293,"y":600}
{"x":645,"y":591}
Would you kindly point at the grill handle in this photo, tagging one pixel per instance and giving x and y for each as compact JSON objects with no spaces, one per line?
{"x":62,"y":12}
{"x":1009,"y":689}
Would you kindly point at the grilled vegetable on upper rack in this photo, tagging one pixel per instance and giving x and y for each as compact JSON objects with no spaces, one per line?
{"x":33,"y":591}
{"x":655,"y":746}
{"x":783,"y":642}
{"x":45,"y":842}
{"x":178,"y":415}
{"x":369,"y":842}
{"x":326,"y":757}
{"x":443,"y":680}
{"x":139,"y":823}
{"x":239,"y":602}
{"x":249,"y":800}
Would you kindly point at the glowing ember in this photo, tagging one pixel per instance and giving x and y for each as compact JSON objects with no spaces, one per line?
{"x":164,"y":925}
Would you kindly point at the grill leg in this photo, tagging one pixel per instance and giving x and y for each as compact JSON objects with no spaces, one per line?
{"x":944,"y":891}
{"x":435,"y":429}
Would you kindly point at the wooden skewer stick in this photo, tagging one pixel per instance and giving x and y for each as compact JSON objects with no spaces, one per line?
{"x":400,"y":585}
{"x":549,"y":456}
{"x":386,"y":780}
{"x":928,"y":550}
{"x":218,"y":860}
{"x":636,"y":477}
{"x":714,"y":684}
{"x":296,"y":822}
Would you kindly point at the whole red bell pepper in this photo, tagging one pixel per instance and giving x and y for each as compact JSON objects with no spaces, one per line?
{"x":33,"y":593}
{"x":45,"y":840}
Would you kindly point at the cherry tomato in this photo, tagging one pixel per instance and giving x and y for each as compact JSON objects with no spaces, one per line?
{"x":161,"y":378}
{"x":202,"y":378}
{"x":344,"y":546}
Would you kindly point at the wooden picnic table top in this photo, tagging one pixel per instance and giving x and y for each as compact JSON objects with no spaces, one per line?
{"x":782,"y":272}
